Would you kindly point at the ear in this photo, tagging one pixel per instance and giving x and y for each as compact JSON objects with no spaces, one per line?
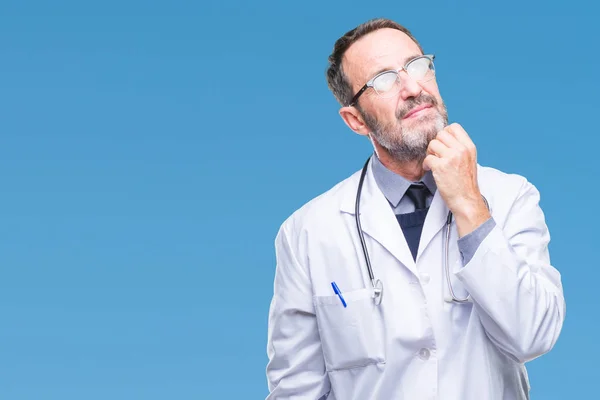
{"x":354,"y":120}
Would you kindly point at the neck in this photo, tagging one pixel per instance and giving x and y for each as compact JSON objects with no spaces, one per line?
{"x":411,"y":170}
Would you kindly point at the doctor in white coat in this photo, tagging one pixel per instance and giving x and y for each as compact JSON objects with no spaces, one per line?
{"x":427,"y":335}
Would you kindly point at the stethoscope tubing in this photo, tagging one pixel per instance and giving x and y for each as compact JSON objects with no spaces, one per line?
{"x":358,"y":226}
{"x":377,"y":285}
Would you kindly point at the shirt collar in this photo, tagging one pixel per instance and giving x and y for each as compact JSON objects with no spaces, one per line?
{"x":394,"y":186}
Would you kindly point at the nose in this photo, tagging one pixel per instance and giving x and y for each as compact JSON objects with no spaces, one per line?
{"x":408,"y":86}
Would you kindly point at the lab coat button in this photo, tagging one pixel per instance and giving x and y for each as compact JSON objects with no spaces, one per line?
{"x":425,"y":278}
{"x":424,"y":354}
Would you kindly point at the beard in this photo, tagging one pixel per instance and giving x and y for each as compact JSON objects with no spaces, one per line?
{"x":407,"y":141}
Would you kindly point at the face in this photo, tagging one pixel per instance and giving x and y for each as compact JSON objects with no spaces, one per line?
{"x":406,"y":122}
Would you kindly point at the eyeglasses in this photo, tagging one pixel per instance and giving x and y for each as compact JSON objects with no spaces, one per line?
{"x":387,"y":83}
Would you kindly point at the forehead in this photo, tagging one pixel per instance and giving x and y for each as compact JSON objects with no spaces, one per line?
{"x":384,"y":48}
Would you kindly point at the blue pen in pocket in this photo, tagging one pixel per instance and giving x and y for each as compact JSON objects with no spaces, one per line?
{"x":337,"y":291}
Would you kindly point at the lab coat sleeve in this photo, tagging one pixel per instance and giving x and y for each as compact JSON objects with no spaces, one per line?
{"x":515,"y":290}
{"x":296,"y":368}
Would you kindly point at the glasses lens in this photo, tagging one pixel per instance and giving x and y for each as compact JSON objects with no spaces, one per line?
{"x":421,"y":69}
{"x":386,"y":84}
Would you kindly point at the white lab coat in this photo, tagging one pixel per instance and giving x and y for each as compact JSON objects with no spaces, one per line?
{"x":414,"y":345}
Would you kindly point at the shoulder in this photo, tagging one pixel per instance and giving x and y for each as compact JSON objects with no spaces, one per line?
{"x":505,"y":190}
{"x":321,"y":209}
{"x":488,"y":175}
{"x":494,"y":179}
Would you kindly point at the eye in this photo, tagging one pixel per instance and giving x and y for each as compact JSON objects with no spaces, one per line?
{"x":420,"y":68}
{"x":385,"y":82}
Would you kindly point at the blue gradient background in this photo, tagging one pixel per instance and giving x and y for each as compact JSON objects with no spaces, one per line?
{"x":149,"y":152}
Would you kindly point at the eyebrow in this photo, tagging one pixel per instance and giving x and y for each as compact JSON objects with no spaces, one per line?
{"x":406,"y":59}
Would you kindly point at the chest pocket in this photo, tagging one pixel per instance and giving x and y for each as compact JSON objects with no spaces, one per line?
{"x":351,"y":336}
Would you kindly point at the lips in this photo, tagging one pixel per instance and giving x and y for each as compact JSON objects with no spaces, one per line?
{"x":417,"y":109}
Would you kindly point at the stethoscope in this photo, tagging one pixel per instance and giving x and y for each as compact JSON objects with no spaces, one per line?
{"x":377,"y":285}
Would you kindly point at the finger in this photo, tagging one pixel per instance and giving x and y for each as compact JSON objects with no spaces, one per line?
{"x":431,"y":162}
{"x":449,"y":139}
{"x":460,"y":134}
{"x":437,"y":148}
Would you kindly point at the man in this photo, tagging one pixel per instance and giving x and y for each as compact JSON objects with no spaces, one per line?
{"x":427,"y":335}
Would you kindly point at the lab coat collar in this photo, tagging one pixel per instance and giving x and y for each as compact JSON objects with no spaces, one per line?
{"x":379,"y":222}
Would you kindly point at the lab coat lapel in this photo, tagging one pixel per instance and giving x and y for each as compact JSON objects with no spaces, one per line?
{"x":435,"y":220}
{"x":378,"y":220}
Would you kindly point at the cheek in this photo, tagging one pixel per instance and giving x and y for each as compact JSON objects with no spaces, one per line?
{"x":391,"y":111}
{"x":384,"y":111}
{"x":432,"y":89}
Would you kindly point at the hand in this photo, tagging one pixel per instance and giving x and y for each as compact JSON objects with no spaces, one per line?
{"x":452,"y":158}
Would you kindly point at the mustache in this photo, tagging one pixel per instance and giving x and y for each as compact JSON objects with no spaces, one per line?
{"x":414,"y":102}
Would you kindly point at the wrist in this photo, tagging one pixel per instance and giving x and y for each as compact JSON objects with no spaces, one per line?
{"x":470,"y":215}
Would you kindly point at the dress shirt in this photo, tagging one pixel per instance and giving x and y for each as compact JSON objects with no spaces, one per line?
{"x":394,"y":187}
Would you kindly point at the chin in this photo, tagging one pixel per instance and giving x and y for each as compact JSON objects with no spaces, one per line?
{"x":426,"y":125}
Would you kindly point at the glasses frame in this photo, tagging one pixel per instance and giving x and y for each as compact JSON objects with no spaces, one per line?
{"x":369,"y":84}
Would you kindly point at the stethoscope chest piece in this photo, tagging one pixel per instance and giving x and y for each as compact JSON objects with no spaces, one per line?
{"x":377,"y":292}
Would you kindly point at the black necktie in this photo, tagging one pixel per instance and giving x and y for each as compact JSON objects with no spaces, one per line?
{"x":418,"y":194}
{"x":412,"y":223}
